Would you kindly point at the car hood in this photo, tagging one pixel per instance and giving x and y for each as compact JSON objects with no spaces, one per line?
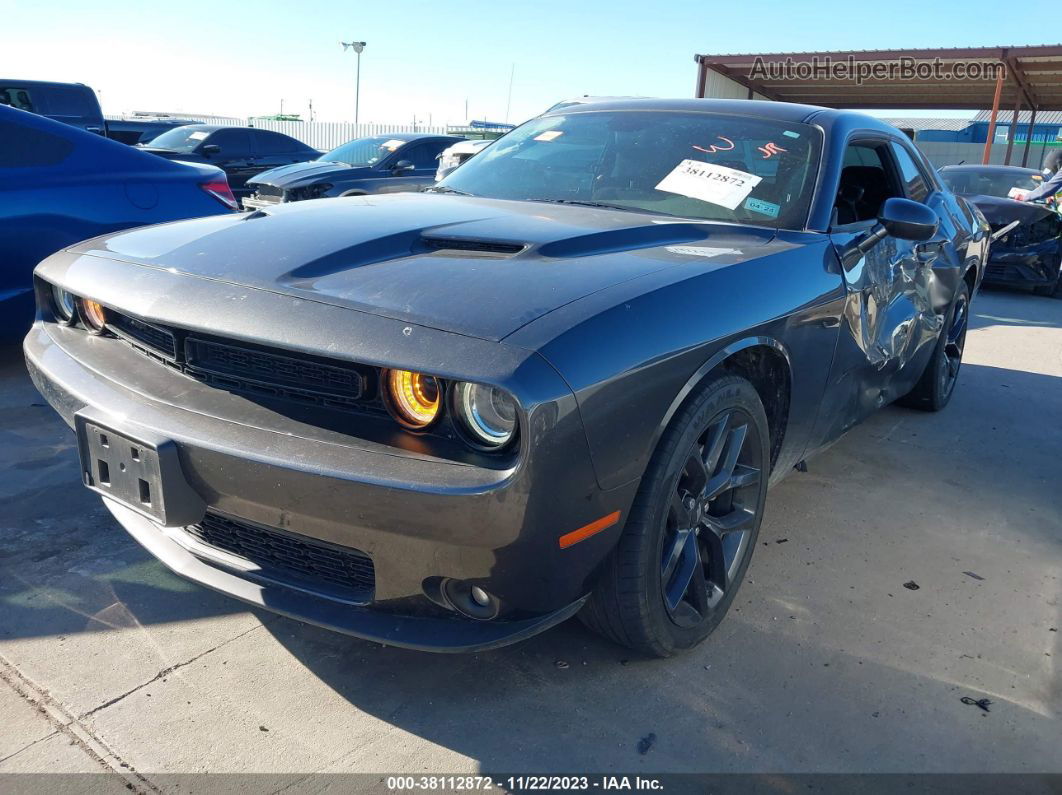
{"x":478,"y":267}
{"x":999,"y":211}
{"x":299,"y":174}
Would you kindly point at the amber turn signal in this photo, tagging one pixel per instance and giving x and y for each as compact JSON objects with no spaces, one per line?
{"x":414,"y":398}
{"x":93,"y":315}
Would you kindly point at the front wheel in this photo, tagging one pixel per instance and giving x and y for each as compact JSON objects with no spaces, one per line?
{"x":692,"y":528}
{"x":935,"y":387}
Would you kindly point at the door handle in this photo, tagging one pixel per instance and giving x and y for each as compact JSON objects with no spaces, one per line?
{"x":929,"y":250}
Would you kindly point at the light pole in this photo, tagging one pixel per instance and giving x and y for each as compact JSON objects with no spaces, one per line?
{"x":357,"y":46}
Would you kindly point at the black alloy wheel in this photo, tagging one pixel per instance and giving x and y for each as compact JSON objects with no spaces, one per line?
{"x":937,"y":383}
{"x":713,"y":508}
{"x":954,"y":343}
{"x":692,"y":529}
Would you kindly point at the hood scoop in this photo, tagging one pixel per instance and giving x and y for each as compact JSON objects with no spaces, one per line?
{"x":477,"y":246}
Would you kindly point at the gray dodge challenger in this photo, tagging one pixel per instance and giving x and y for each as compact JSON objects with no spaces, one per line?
{"x":557,"y":383}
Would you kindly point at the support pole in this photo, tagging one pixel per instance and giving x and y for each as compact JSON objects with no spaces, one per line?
{"x":702,"y":78}
{"x":1028,"y":138}
{"x":357,"y":89}
{"x":1012,"y":133}
{"x":992,"y":121}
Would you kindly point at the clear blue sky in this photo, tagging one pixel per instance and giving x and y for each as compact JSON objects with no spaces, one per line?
{"x":426,"y":58}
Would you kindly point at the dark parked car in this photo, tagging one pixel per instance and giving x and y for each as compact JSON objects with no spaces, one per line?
{"x":141,"y":131}
{"x":1028,"y":251}
{"x":241,"y":152}
{"x":381,"y":164}
{"x":58,"y":186}
{"x":559,"y":383}
{"x":71,"y":103}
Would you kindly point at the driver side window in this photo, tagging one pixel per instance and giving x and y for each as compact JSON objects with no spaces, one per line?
{"x":866,"y":182}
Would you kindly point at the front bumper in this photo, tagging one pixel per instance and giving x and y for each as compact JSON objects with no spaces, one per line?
{"x":420,"y":632}
{"x":1036,"y":266}
{"x":420,"y":518}
{"x":255,"y":202}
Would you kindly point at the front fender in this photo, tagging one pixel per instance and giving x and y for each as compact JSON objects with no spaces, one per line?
{"x":632,"y":363}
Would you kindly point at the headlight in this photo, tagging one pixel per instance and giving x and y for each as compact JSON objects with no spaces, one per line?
{"x":487,"y":413}
{"x":65,"y":304}
{"x":93,"y":315}
{"x":414,"y":398}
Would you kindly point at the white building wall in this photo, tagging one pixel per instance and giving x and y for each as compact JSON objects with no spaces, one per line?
{"x":719,"y":86}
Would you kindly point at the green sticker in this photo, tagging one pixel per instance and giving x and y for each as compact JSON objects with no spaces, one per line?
{"x":791,"y":134}
{"x":763,"y":208}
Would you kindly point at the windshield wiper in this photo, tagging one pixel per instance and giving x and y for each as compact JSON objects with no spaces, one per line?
{"x":446,"y":189}
{"x":603,"y":205}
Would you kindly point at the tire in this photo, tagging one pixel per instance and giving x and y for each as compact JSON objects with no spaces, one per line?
{"x":639,"y":600}
{"x":352,"y":193}
{"x":937,"y":384}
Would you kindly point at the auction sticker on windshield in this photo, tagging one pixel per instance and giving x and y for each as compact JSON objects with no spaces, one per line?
{"x":708,"y":182}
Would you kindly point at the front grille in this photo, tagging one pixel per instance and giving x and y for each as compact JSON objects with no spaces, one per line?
{"x":254,"y":370}
{"x":251,"y":369}
{"x":159,"y":340}
{"x":292,"y":559}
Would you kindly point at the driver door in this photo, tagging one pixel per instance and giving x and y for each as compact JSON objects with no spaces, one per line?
{"x":888,"y":325}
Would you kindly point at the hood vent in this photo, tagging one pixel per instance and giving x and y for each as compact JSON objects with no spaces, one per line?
{"x":479,"y":246}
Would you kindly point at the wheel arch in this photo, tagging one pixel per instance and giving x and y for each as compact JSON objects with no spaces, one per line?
{"x":765,"y":363}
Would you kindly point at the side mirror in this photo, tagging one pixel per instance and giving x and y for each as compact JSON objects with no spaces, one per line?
{"x":908,"y":220}
{"x":210,"y":149}
{"x":402,"y":166}
{"x":900,"y":218}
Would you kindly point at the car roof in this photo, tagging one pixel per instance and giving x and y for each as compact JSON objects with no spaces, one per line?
{"x":990,"y":167}
{"x":48,"y":83}
{"x":780,"y":111}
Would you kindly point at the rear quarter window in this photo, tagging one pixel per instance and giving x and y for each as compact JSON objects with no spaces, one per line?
{"x":270,"y":143}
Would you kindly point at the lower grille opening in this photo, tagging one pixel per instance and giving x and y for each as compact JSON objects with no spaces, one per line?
{"x":308,"y":564}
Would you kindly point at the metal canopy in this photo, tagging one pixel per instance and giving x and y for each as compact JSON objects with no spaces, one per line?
{"x":1032,"y":79}
{"x":1033,"y":73}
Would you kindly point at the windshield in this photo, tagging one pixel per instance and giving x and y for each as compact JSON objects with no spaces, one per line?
{"x":363,"y":151}
{"x":990,"y":182}
{"x":688,"y":164}
{"x":180,"y":139}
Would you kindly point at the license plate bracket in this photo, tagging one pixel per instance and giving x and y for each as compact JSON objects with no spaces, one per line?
{"x":137,"y":469}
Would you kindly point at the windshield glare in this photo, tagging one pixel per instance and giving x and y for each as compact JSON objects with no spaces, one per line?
{"x":363,"y":151}
{"x":688,"y":164}
{"x":988,"y":182}
{"x":179,"y":139}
